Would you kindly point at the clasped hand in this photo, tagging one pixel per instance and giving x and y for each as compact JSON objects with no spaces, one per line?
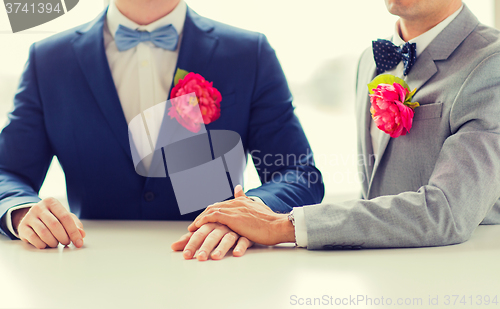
{"x":241,"y":221}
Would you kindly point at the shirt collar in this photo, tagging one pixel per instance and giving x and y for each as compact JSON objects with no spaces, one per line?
{"x":426,"y":38}
{"x":177,"y":18}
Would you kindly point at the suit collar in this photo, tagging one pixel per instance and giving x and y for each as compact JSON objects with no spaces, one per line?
{"x":452,"y":36}
{"x":97,"y":22}
{"x":441,"y":48}
{"x":426,"y":38}
{"x":176,"y":18}
{"x":203,"y":24}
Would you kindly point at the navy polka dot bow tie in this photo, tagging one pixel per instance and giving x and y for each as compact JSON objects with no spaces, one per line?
{"x":387,"y":55}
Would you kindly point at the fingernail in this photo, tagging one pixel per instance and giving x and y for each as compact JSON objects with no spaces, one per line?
{"x":202,"y":255}
{"x":79,"y":243}
{"x":216,"y":253}
{"x":237,"y":250}
{"x":187,"y":253}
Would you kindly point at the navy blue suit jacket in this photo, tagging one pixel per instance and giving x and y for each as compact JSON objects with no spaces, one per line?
{"x":67,"y":106}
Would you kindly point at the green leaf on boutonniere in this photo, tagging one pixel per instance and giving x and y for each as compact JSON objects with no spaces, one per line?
{"x":387,"y":79}
{"x":410,"y":95}
{"x":179,"y":74}
{"x":408,"y":101}
{"x":412,"y":105}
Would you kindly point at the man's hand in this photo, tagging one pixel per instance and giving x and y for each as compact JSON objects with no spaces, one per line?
{"x":248,"y":218}
{"x":47,"y":224}
{"x":212,"y":239}
{"x":209,"y":237}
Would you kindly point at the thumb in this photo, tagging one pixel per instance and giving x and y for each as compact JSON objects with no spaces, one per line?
{"x":238,"y":191}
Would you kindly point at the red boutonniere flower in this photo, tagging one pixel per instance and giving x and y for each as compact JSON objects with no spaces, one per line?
{"x":191,"y":111}
{"x":391,"y":106}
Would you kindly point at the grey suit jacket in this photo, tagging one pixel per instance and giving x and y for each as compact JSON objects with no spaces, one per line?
{"x":435,"y":185}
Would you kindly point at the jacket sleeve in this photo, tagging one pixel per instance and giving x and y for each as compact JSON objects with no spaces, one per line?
{"x":277,"y":143}
{"x":463,"y":188}
{"x":25,"y":151}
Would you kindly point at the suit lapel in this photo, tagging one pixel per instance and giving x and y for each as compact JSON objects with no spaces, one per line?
{"x":365,"y":123}
{"x":91,"y":56}
{"x":422,"y":71}
{"x":196,"y":51}
{"x":198,"y":44}
{"x":425,"y":67}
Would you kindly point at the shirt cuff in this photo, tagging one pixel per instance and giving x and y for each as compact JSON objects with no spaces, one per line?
{"x":300,"y":227}
{"x":8,"y":216}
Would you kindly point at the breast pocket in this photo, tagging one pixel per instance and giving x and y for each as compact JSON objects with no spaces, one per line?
{"x":428,"y":111}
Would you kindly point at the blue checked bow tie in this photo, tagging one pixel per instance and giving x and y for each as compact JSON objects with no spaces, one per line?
{"x":387,"y":55}
{"x":165,"y":37}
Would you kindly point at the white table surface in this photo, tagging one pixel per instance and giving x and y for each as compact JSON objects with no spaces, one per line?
{"x":129,"y":264}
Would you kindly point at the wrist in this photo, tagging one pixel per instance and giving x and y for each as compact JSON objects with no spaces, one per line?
{"x":17,"y":216}
{"x":285,"y":229}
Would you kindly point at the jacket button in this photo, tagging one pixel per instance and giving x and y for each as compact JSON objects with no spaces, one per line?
{"x":149,"y":196}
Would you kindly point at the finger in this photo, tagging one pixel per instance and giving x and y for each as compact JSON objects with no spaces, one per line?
{"x":27,"y":235}
{"x":55,"y":227}
{"x":211,"y":208}
{"x":210,"y":211}
{"x":79,"y":225}
{"x":192,"y":227}
{"x":196,"y":240}
{"x":64,"y":216}
{"x":212,"y":240}
{"x":216,"y":217}
{"x":44,"y":233}
{"x":181,"y":243}
{"x":242,"y":246}
{"x":225,"y":244}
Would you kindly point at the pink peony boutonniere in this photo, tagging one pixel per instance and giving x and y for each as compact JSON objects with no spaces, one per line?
{"x":391,"y":106}
{"x":191,"y":111}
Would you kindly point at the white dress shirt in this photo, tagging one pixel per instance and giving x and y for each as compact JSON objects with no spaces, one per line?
{"x":422,"y":42}
{"x":142,"y":75}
